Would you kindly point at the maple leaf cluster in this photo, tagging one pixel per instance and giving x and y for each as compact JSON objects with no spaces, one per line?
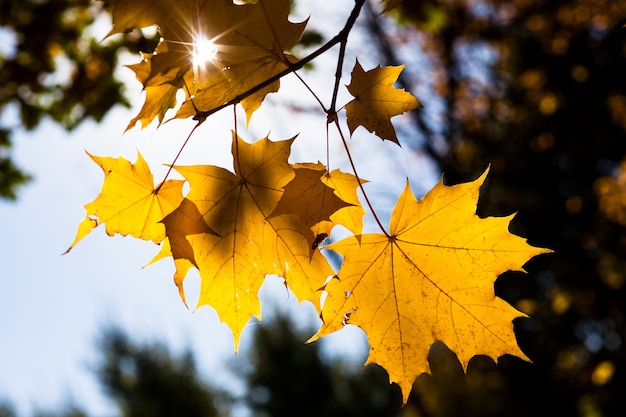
{"x":428,"y":277}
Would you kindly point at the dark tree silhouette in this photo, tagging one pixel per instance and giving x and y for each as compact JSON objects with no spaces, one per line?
{"x":283,"y":376}
{"x":147,"y":381}
{"x":287,"y":377}
{"x":6,"y":409}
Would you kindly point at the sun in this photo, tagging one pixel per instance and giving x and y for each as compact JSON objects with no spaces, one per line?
{"x":204,"y":51}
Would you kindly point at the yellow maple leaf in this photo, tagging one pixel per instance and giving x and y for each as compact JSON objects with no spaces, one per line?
{"x":159,"y":99}
{"x":130,"y":203}
{"x":160,"y":92}
{"x":237,"y":206}
{"x":247,"y":42}
{"x":376,"y":100}
{"x":214,"y":89}
{"x":185,"y":220}
{"x":432,"y":279}
{"x":310,"y":199}
{"x":345,"y":186}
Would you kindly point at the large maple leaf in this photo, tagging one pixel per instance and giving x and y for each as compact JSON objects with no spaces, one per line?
{"x":376,"y":100}
{"x":431,"y":279}
{"x":129,"y":202}
{"x":249,"y":42}
{"x":250,"y":244}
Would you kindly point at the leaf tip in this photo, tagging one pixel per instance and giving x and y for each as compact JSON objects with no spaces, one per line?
{"x":84,"y":227}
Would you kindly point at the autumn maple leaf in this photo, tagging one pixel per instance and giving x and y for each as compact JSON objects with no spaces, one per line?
{"x":250,"y":243}
{"x":376,"y":100}
{"x":130,"y":203}
{"x":249,"y":43}
{"x":310,"y":199}
{"x":160,"y":96}
{"x":345,"y":186}
{"x":431,"y":279}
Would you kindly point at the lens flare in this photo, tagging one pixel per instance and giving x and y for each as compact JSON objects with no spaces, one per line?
{"x":204,"y":51}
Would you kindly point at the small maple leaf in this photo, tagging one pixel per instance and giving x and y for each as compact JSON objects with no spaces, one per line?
{"x":345,"y":186}
{"x":431,"y":279}
{"x":160,"y":96}
{"x":250,"y":244}
{"x":129,"y":203}
{"x":376,"y":100}
{"x":307,"y":197}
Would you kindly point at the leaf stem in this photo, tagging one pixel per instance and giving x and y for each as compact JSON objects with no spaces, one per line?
{"x":319,"y":101}
{"x":367,"y":200}
{"x":180,"y":151}
{"x":236,"y":158}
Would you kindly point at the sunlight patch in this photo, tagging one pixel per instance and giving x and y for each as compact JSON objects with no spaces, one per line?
{"x":204,"y":51}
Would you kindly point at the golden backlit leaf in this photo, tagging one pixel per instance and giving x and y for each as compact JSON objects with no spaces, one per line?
{"x":351,"y":216}
{"x":185,"y":220}
{"x":376,"y":100}
{"x":250,"y":41}
{"x":159,"y":99}
{"x":250,"y":245}
{"x":129,"y":203}
{"x":128,"y":15}
{"x":432,"y":279}
{"x":307,"y":197}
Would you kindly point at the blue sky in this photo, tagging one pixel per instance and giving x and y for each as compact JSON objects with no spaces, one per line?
{"x":53,"y":306}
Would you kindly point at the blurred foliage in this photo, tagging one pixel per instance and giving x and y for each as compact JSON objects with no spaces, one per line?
{"x":536,"y":89}
{"x":611,"y":196}
{"x":6,"y":410}
{"x":70,"y":412}
{"x":51,"y":65}
{"x":283,"y":375}
{"x":288,"y":377}
{"x":148,"y":381}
